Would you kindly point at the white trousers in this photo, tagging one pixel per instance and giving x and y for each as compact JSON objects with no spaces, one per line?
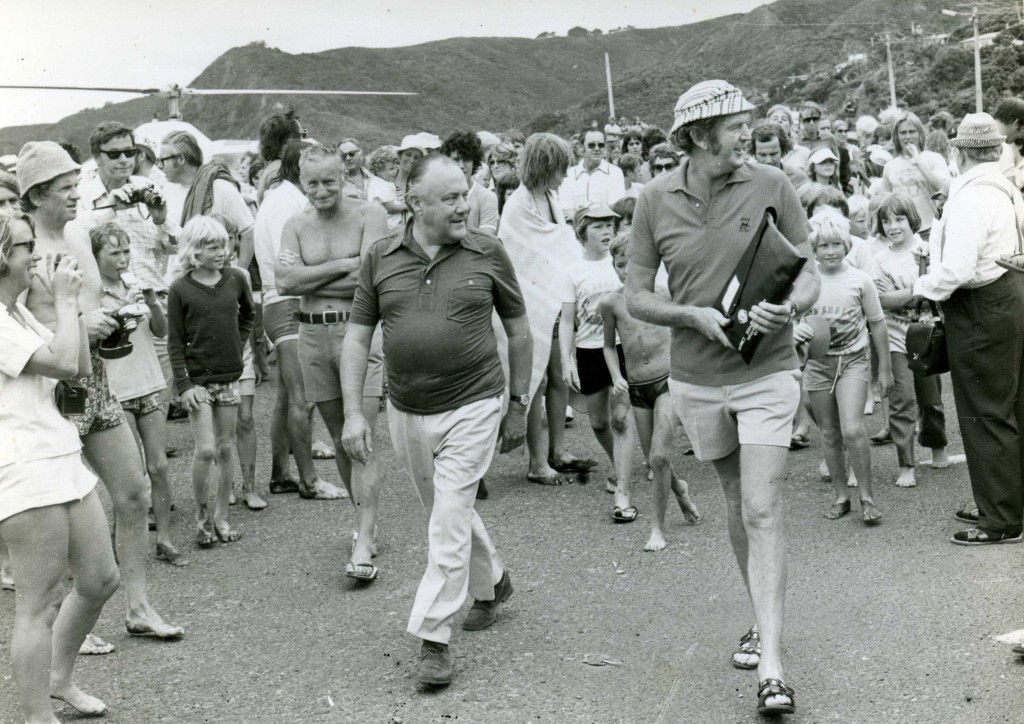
{"x":446,"y":454}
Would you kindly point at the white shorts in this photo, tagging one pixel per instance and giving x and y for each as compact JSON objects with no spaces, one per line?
{"x":718,"y":419}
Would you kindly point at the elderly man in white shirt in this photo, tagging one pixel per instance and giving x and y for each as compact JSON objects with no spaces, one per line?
{"x":983,"y":305}
{"x":593,"y":180}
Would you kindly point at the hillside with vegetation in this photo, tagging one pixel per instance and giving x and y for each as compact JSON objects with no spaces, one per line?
{"x":830,"y":51}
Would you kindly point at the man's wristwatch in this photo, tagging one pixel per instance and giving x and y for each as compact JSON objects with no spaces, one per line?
{"x":523,"y":400}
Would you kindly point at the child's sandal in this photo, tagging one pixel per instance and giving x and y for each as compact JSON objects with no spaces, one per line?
{"x":750,"y":645}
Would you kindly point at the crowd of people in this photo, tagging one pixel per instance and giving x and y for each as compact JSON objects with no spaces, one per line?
{"x":479,"y":288}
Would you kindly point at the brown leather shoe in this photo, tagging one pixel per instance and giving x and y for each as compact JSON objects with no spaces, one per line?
{"x":484,"y":613}
{"x":435,"y":664}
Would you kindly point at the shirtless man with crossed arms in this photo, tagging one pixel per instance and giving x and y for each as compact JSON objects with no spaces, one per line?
{"x":321,"y":252}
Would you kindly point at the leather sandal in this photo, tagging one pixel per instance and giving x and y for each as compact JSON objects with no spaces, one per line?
{"x":750,"y":645}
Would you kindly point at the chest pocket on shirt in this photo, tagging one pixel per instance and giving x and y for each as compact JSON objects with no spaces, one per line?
{"x":468,"y":299}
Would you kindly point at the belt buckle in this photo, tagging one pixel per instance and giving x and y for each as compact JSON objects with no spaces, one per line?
{"x":332,"y":317}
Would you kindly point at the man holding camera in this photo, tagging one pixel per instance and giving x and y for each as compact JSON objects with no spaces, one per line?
{"x":48,"y":179}
{"x":116,"y":194}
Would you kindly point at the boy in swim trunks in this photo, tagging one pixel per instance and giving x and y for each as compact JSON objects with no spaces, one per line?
{"x":646,"y":347}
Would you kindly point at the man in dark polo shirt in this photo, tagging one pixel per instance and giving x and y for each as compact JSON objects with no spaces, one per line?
{"x":433,"y":287}
{"x":699,"y":219}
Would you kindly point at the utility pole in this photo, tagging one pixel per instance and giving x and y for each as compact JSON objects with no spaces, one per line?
{"x":977,"y":64}
{"x":608,"y":76}
{"x":892,"y":77}
{"x":977,"y":55}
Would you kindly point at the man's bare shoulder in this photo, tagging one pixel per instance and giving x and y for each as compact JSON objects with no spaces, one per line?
{"x":300,"y":221}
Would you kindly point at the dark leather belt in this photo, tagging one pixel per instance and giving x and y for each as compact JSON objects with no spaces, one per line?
{"x":322,"y":317}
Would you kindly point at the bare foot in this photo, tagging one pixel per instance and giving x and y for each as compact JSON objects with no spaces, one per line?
{"x":167,"y":553}
{"x":690,"y":511}
{"x":225,"y":533}
{"x":869,"y":406}
{"x":823,"y":471}
{"x":254,"y":502}
{"x":851,"y":482}
{"x":940,"y":459}
{"x":656,"y":542}
{"x":906,"y":479}
{"x":78,"y":700}
{"x":231,"y":499}
{"x":153,"y":626}
{"x":322,"y":490}
{"x":95,"y":646}
{"x":205,"y":536}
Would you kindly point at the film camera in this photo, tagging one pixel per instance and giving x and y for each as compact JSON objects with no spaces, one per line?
{"x":145,"y":195}
{"x":118,"y":344}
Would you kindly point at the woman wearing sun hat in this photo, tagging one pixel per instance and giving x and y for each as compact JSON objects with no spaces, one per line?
{"x":973,"y":245}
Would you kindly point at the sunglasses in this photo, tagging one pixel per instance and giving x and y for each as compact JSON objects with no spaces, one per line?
{"x":117,"y":153}
{"x":668,"y":166}
{"x":812,"y":119}
{"x":593,"y":146}
{"x":31,"y":244}
{"x":164,"y":159}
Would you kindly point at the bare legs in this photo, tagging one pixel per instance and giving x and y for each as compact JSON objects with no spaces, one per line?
{"x":246,"y":442}
{"x":44,"y":543}
{"x":749,"y":477}
{"x":151,"y":430}
{"x":841,"y":419}
{"x":214,"y":430}
{"x":122,"y":475}
{"x":657,"y":429}
{"x":361,"y":481}
{"x":610,"y":421}
{"x":290,"y":426}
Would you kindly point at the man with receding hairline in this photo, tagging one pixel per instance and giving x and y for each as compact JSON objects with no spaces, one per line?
{"x":321,"y":252}
{"x":435,"y":286}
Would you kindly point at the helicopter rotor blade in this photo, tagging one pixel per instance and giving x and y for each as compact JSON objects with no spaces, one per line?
{"x":143,"y":91}
{"x":268,"y":91}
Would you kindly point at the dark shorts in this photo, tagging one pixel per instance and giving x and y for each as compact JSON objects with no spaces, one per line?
{"x":102,"y":410}
{"x":645,"y":394}
{"x":593,"y":371}
{"x":279,"y":320}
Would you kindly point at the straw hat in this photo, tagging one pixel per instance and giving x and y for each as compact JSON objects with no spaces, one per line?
{"x":977,"y":130}
{"x":709,"y":99}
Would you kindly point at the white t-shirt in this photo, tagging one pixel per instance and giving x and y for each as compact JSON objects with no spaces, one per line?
{"x":31,"y":428}
{"x":383,"y":191}
{"x":901,"y":269}
{"x":139,"y":373}
{"x":848,"y":300}
{"x":592,"y":281}
{"x":279,"y":205}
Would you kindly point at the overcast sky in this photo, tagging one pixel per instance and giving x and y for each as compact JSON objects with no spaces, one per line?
{"x":140,"y":43}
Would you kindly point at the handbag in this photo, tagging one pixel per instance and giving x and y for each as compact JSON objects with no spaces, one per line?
{"x":926,"y":345}
{"x":765,"y":272}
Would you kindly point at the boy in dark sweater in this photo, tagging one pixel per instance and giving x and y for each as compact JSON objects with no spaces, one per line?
{"x":210,"y":313}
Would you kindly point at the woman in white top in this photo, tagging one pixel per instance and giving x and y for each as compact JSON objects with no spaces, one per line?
{"x":915,"y":172}
{"x":50,"y":515}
